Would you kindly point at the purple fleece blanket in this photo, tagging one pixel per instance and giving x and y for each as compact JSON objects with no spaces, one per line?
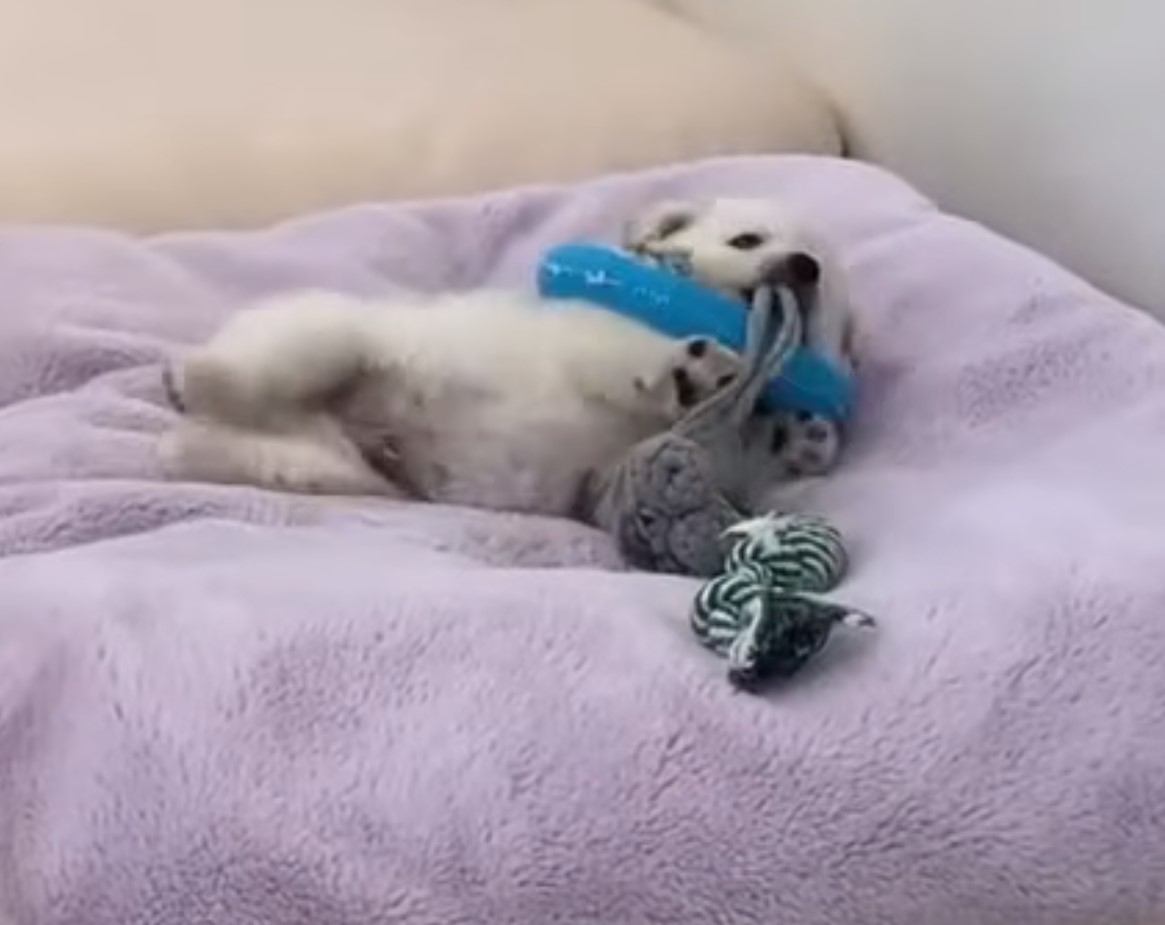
{"x":220,"y":705}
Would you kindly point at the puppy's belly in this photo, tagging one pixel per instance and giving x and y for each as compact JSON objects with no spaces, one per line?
{"x":513,"y":477}
{"x":515,"y":455}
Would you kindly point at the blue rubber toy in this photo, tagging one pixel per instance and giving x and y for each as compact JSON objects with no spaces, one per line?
{"x":680,"y":307}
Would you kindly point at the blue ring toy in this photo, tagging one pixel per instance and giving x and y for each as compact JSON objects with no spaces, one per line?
{"x":680,"y":307}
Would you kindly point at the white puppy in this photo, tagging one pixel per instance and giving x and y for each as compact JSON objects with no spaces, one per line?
{"x":487,"y":398}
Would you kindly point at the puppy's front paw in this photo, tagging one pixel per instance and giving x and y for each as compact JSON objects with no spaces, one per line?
{"x":804,"y":444}
{"x":697,"y":368}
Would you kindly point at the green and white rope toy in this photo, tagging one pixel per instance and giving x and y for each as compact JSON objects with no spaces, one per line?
{"x":764,"y":613}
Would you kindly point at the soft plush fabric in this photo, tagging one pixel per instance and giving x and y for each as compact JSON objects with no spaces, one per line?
{"x":163,"y":114}
{"x":222,"y":705}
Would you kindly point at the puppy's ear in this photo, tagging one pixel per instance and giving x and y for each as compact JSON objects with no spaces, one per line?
{"x":658,"y":222}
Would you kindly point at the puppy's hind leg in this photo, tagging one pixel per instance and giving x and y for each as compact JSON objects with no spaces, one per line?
{"x":290,"y":354}
{"x":310,"y":461}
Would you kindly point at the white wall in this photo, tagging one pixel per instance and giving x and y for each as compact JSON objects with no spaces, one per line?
{"x":1043,"y":118}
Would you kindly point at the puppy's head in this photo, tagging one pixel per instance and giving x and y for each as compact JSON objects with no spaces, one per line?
{"x":733,"y":245}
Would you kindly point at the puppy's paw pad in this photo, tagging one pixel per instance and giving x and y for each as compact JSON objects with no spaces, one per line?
{"x":693,"y":370}
{"x":697,"y":347}
{"x":705,"y":367}
{"x":687,"y":394}
{"x":804,"y":444}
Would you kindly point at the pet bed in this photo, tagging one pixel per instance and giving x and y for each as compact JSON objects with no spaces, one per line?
{"x":219,"y":704}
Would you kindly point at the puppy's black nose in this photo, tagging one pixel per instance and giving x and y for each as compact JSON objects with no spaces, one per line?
{"x":803,"y":268}
{"x":796,"y":268}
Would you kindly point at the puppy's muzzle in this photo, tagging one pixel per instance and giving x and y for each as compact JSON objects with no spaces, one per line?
{"x":795,"y":269}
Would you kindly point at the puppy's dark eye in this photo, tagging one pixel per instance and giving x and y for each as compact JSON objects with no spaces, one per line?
{"x":749,"y":241}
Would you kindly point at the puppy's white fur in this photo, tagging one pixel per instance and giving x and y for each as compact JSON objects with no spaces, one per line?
{"x":485,"y":398}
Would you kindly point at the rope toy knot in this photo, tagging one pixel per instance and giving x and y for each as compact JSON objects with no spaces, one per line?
{"x":764,"y":612}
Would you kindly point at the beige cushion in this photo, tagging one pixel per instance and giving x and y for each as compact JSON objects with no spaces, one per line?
{"x":156,"y":114}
